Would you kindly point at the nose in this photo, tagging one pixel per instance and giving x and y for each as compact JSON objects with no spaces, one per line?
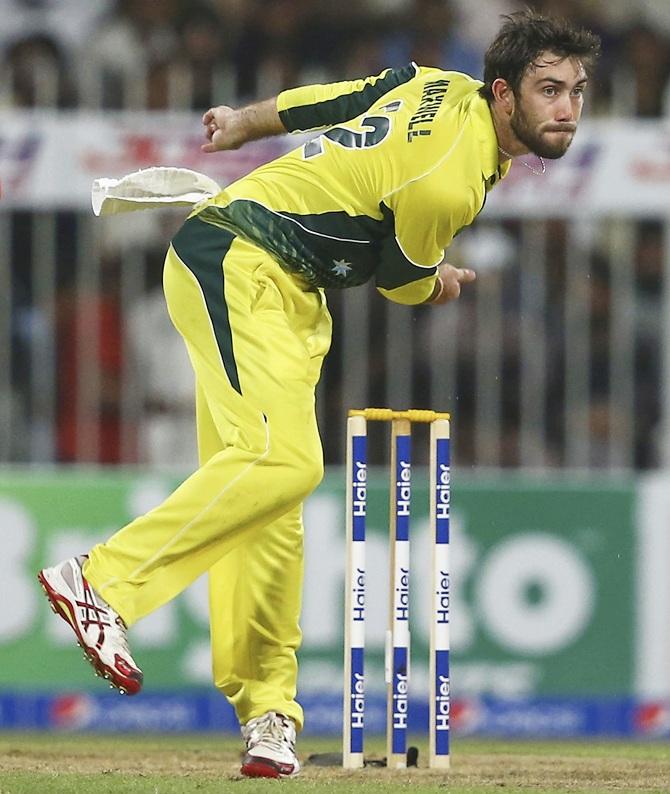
{"x":565,"y":109}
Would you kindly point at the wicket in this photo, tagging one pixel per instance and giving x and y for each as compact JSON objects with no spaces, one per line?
{"x":397,"y":662}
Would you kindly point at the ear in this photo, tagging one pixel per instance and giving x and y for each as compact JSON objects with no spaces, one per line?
{"x":503,"y":94}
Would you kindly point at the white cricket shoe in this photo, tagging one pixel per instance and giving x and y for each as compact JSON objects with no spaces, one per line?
{"x":270,"y":743}
{"x":100,"y":630}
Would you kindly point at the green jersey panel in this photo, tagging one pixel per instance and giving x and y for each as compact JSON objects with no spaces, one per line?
{"x":382,"y":193}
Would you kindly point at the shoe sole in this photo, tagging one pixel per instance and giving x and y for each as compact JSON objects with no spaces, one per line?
{"x":62,"y":607}
{"x":262,"y":767}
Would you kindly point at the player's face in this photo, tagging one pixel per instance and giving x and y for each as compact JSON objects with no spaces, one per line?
{"x":548,"y":105}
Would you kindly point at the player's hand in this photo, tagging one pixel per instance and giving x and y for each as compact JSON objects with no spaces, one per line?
{"x":451,"y":278}
{"x":225,"y":128}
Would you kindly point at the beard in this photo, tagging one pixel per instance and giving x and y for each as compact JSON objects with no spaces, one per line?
{"x":536,"y":142}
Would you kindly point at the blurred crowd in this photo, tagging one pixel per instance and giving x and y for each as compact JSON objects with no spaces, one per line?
{"x":160,"y":53}
{"x":191,"y":54}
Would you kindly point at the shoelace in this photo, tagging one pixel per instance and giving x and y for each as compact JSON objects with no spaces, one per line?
{"x":92,"y":613}
{"x":272,"y":730}
{"x":102,"y":616}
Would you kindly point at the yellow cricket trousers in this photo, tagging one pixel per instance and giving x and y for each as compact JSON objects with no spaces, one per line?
{"x":256,"y":340}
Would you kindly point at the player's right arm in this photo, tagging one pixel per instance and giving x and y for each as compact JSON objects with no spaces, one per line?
{"x":230,"y":128}
{"x":314,"y":107}
{"x":300,"y":109}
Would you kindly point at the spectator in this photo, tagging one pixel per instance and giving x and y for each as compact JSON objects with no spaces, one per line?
{"x":649,"y":281}
{"x":647,"y":54}
{"x":125,"y":61}
{"x":165,"y":431}
{"x":268,"y":54}
{"x":37,"y":73}
{"x":90,"y":342}
{"x":429,"y":33}
{"x":203,"y":62}
{"x":649,"y":266}
{"x":67,"y":22}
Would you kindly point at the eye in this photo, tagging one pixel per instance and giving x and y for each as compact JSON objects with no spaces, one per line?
{"x":549,"y":90}
{"x":578,"y":90}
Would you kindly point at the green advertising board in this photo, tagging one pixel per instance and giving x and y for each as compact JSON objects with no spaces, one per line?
{"x":543,"y":584}
{"x":545,"y":589}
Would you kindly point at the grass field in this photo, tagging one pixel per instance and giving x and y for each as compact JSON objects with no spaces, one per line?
{"x":70,"y":764}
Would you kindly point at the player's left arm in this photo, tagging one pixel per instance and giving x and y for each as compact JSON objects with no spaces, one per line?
{"x":443,"y":285}
{"x":448,"y":283}
{"x":413,"y":269}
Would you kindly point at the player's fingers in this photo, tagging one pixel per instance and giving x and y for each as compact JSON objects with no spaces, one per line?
{"x":210,"y":130}
{"x":465,"y":275}
{"x":208,"y":116}
{"x":208,"y":147}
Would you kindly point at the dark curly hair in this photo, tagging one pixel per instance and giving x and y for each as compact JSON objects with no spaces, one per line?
{"x":523,"y":37}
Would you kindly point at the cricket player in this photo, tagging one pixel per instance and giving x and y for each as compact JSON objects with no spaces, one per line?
{"x":404,"y":161}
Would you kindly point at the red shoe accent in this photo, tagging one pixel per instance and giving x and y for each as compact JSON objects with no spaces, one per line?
{"x":253,"y":766}
{"x":123,"y":667}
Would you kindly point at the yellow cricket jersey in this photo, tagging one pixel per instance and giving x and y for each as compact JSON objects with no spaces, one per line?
{"x":405,"y":161}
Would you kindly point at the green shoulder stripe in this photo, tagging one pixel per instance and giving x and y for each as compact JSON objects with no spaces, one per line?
{"x":347,"y":106}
